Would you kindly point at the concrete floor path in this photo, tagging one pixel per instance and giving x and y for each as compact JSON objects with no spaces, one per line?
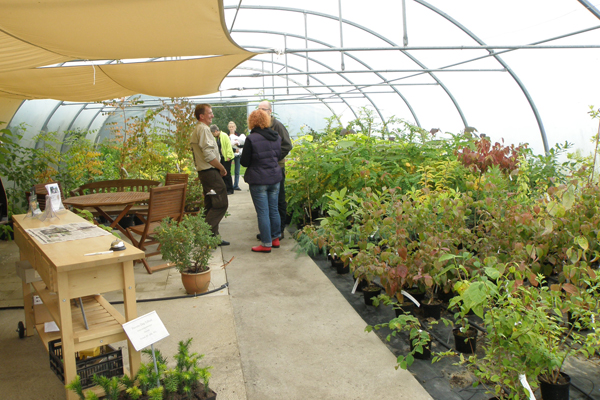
{"x":278,"y":329}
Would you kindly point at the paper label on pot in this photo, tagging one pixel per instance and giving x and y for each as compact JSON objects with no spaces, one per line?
{"x":410,"y":298}
{"x":145,"y":330}
{"x":525,"y":384}
{"x":355,"y":286}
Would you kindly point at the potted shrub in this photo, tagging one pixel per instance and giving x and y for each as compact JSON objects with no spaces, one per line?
{"x":419,"y":339}
{"x":189,"y":246}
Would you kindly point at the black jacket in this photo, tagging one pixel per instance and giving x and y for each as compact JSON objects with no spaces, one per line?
{"x":261,"y":154}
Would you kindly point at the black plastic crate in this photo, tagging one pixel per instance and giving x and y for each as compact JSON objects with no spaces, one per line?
{"x":109,"y":363}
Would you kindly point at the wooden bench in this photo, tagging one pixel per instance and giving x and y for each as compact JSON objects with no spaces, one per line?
{"x":116,"y":185}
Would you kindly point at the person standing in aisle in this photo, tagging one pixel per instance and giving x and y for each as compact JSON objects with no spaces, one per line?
{"x":261,"y":156}
{"x":237,"y":142}
{"x":286,"y":147}
{"x":226,"y":153}
{"x":210,"y":170}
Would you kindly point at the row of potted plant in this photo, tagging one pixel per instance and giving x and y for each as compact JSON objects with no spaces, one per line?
{"x":509,"y":238}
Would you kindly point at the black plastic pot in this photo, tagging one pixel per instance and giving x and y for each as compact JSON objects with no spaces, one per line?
{"x":406,"y":307}
{"x":127,"y":221}
{"x":338,"y":264}
{"x":361,"y":285}
{"x":369,"y":292}
{"x":555,"y":391}
{"x":465,"y":342}
{"x":426,"y":355}
{"x":433,"y":310}
{"x":417,"y":294}
{"x":445,"y":297}
{"x":573,"y":322}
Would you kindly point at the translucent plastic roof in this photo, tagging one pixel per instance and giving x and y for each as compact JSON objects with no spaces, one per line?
{"x":521,"y":71}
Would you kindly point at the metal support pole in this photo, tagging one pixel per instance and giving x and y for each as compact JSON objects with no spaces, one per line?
{"x":306,"y":45}
{"x":405,"y":37}
{"x":155,"y":366}
{"x":343,"y":67}
{"x":286,"y":64}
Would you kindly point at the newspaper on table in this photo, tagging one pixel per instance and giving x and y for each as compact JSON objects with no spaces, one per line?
{"x":64,"y":233}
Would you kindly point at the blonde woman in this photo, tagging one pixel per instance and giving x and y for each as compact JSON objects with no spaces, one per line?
{"x":237,"y":142}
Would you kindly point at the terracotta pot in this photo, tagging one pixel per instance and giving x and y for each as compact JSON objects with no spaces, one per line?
{"x":195,"y":283}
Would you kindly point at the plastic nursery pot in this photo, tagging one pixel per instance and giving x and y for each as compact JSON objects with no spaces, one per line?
{"x":465,"y":342}
{"x":416,"y":293}
{"x":445,"y":297}
{"x":576,"y":322}
{"x":369,"y":292}
{"x":361,"y":285}
{"x":426,"y":355}
{"x":338,"y":264}
{"x":555,"y":391}
{"x":433,"y":310}
{"x":406,"y":307}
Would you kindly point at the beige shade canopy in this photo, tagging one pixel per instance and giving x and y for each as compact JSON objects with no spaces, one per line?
{"x":37,"y":33}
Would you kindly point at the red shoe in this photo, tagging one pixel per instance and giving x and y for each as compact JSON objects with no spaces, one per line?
{"x":275,"y":243}
{"x":261,"y":249}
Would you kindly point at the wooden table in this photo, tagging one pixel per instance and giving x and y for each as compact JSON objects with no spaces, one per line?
{"x":67,"y":274}
{"x":100,"y":201}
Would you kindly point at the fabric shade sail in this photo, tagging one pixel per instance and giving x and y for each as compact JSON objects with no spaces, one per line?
{"x":92,"y":83}
{"x":39,"y":33}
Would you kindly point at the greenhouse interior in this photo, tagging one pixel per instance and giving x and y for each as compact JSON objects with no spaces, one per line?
{"x":423,"y":221}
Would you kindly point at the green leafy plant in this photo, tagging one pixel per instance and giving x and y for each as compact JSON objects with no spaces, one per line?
{"x":419,"y":338}
{"x":187,"y":244}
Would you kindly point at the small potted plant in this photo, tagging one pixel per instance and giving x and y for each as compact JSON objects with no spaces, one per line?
{"x":419,"y":339}
{"x":185,"y":380}
{"x":189,"y":246}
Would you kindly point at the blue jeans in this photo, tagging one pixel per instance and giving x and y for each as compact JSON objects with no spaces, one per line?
{"x":265,"y":199}
{"x":236,"y":181}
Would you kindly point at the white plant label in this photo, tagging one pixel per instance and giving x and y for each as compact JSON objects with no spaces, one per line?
{"x":410,"y":298}
{"x":525,"y":384}
{"x":145,"y":330}
{"x":355,"y":286}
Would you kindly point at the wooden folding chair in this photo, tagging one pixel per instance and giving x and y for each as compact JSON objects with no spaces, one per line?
{"x":175,"y":179}
{"x":165,"y":202}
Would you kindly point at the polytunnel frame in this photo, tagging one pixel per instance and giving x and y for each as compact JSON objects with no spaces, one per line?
{"x":393,"y":47}
{"x":339,"y":18}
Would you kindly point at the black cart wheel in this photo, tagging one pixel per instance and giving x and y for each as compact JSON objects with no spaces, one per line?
{"x":21,"y":330}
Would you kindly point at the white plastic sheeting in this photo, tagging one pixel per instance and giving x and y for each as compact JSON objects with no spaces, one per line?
{"x":513,"y":70}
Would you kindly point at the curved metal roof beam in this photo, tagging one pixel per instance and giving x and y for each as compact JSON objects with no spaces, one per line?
{"x":300,"y":86}
{"x":333,"y":92}
{"x":375,"y":34}
{"x":358,"y":60}
{"x":501,"y":61}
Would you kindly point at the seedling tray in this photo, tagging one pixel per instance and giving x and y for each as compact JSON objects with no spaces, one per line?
{"x":109,"y":363}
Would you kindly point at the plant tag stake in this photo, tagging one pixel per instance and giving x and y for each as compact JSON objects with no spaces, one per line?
{"x":525,"y":384}
{"x":355,"y":286}
{"x":145,"y":330}
{"x":410,"y":298}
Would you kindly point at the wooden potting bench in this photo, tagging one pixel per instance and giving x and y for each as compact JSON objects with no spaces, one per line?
{"x":67,"y":274}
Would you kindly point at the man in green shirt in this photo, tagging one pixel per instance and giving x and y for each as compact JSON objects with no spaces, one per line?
{"x":210,"y":170}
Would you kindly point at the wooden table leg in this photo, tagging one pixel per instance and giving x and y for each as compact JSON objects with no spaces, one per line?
{"x":66,"y":330}
{"x":28,"y":306}
{"x":114,"y":223}
{"x":130,"y":308}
